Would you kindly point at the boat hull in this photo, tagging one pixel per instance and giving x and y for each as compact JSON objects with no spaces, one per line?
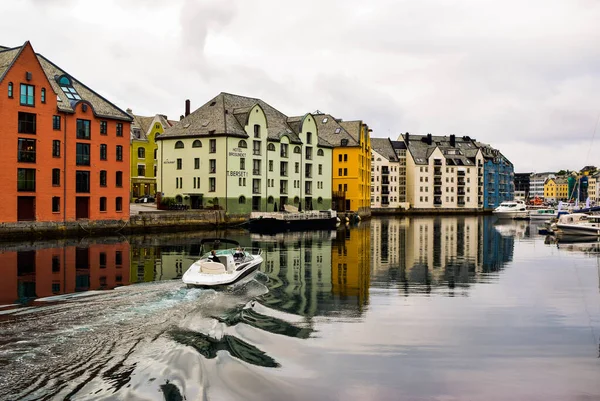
{"x":274,"y":225}
{"x":201,"y":281}
{"x":516,"y":214}
{"x":579,"y":229}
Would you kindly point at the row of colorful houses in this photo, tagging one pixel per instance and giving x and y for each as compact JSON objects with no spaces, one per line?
{"x":71,"y":154}
{"x":554,"y":187}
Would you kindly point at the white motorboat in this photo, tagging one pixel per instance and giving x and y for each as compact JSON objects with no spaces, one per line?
{"x":543,"y":214}
{"x":580,"y":224}
{"x":512,"y":210}
{"x":233,"y":264}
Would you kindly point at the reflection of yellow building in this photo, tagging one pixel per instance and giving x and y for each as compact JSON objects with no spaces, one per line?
{"x":351,"y":263}
{"x":144,"y":261}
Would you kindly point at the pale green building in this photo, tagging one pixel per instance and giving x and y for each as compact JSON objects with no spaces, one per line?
{"x":242,"y":155}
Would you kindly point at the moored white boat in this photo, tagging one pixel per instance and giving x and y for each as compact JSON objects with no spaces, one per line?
{"x":543,"y":214}
{"x":511,"y":210}
{"x":234,"y":264}
{"x":578,"y":224}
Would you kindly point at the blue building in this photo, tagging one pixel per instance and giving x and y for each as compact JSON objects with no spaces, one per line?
{"x":498,"y":177}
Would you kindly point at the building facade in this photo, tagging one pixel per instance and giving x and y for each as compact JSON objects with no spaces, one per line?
{"x":521,"y":181}
{"x":441,"y":172}
{"x":351,"y":179}
{"x":536,"y":184}
{"x":64,"y":149}
{"x":144,"y":151}
{"x":550,"y":190}
{"x":498,"y":177}
{"x":240,"y":154}
{"x":385,"y":168}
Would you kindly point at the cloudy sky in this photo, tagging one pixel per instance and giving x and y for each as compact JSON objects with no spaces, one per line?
{"x":523,"y":76}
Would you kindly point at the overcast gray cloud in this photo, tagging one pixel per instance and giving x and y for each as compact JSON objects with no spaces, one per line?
{"x":522,"y":76}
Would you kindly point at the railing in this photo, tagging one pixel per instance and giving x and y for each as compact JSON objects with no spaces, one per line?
{"x":437,"y":162}
{"x":256,"y":152}
{"x":256,"y":171}
{"x":437,"y":171}
{"x":385,"y":170}
{"x":437,"y":182}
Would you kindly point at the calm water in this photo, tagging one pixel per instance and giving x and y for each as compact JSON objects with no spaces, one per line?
{"x":451,"y":308}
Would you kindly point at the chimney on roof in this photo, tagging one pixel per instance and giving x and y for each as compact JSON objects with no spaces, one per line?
{"x":129,"y":111}
{"x":406,"y":138}
{"x":429,"y":139}
{"x":453,"y":140}
{"x":181,"y":117}
{"x":187,"y":107}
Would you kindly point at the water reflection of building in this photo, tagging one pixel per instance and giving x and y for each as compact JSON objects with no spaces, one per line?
{"x":30,"y":272}
{"x":298,"y":265}
{"x":350,"y":264}
{"x":428,"y":251}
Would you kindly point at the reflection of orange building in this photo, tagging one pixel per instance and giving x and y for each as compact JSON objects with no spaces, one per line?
{"x":351,"y":263}
{"x":41,"y":273}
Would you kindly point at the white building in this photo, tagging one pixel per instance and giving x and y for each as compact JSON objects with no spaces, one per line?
{"x":442,"y":172}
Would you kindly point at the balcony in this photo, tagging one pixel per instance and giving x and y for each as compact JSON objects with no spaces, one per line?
{"x":385,"y":192}
{"x":256,"y":152}
{"x":256,"y":190}
{"x":308,"y":175}
{"x":256,"y":171}
{"x":437,"y":191}
{"x":437,"y":201}
{"x":437,"y":162}
{"x":460,"y":191}
{"x":460,"y":173}
{"x":460,"y":203}
{"x":437,"y":181}
{"x":437,"y":171}
{"x":385,"y":181}
{"x":282,"y":191}
{"x":460,"y":181}
{"x":308,"y":192}
{"x":385,"y":170}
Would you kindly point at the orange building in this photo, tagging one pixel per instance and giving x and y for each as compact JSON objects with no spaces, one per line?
{"x":31,"y":273}
{"x":65,"y":149}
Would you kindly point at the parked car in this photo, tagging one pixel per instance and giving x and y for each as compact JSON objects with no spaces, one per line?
{"x":145,"y":199}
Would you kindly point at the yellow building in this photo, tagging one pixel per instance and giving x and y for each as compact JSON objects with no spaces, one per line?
{"x":351,"y":162}
{"x":562,"y":189}
{"x":143,"y":150}
{"x":550,"y":190}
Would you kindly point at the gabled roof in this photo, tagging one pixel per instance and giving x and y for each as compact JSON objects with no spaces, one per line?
{"x":384,"y":147}
{"x":7,"y":57}
{"x":101,"y":107}
{"x":353,"y":128}
{"x":295,"y":124}
{"x":143,"y":124}
{"x":332,"y":132}
{"x":227,"y":114}
{"x":461,"y":154}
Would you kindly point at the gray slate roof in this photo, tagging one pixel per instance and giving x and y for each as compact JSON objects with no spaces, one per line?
{"x":144,"y":125}
{"x":384,"y":147}
{"x":353,"y":128}
{"x":227,"y":114}
{"x":100,"y":106}
{"x":331,"y":130}
{"x":462,"y":154}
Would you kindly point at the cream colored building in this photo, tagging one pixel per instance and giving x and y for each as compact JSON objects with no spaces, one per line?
{"x":442,"y":172}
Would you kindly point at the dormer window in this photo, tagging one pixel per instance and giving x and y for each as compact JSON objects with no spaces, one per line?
{"x":67,"y":87}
